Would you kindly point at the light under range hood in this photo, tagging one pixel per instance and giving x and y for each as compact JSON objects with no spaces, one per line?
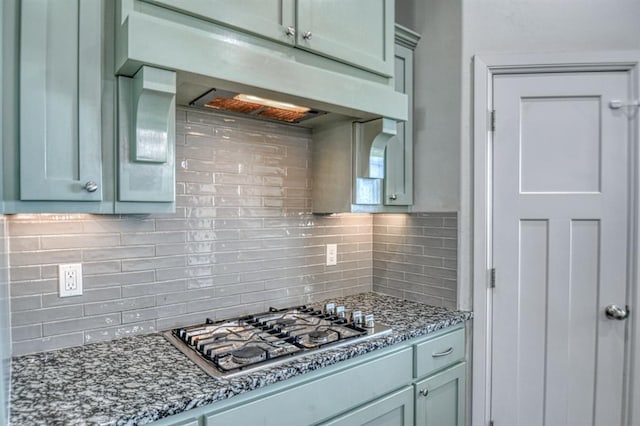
{"x":255,"y":106}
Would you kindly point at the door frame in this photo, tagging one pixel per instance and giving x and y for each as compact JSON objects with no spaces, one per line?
{"x":485,"y":67}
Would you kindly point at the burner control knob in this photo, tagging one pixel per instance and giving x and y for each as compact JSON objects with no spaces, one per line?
{"x":340,"y":312}
{"x":368,"y":321}
{"x":330,"y":308}
{"x":356,"y":318}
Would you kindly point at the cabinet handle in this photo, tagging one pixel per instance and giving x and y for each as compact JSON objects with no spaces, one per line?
{"x":393,"y":197}
{"x":290,"y":31}
{"x":307,"y":35}
{"x":445,"y":353}
{"x":91,"y":186}
{"x":424,"y":392}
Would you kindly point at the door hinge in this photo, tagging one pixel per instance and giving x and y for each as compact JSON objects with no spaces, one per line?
{"x":492,"y":278}
{"x":493,"y":120}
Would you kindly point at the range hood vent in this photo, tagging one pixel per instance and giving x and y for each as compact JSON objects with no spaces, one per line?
{"x":255,"y":107}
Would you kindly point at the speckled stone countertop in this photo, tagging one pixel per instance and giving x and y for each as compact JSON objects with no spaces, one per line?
{"x":139,"y":379}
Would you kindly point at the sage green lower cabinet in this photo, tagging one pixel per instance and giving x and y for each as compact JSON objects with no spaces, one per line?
{"x":323,"y":398}
{"x":382,"y":388}
{"x":187,"y":422}
{"x":393,"y":410}
{"x":440,"y":399}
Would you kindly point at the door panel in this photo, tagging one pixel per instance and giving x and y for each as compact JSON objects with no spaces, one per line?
{"x":560,"y":226}
{"x":60,"y":96}
{"x":359,"y":32}
{"x":444,"y":402}
{"x":269,"y":18}
{"x":574,"y":142}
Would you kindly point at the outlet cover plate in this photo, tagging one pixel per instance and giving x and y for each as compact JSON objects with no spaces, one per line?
{"x":332,"y":254}
{"x":70,"y":279}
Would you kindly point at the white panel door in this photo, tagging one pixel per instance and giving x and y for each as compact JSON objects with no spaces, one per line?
{"x":560,"y":248}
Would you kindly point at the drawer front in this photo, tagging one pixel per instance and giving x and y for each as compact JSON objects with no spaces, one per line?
{"x":392,"y":410}
{"x":438,"y":353}
{"x":324,"y":398}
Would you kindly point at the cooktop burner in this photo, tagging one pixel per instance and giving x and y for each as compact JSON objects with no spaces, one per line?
{"x":249,"y":355}
{"x":319,"y":336}
{"x":234,"y":346}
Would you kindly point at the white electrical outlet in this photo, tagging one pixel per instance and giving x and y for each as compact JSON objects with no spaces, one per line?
{"x":332,"y":254}
{"x":70,"y":279}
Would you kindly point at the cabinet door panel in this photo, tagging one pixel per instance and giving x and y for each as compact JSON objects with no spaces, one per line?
{"x":359,"y":32}
{"x":445,"y":400}
{"x":269,"y":18}
{"x":392,"y":410}
{"x":399,"y":153}
{"x":60,"y":88}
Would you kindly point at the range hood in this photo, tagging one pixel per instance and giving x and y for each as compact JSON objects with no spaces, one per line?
{"x":205,"y":55}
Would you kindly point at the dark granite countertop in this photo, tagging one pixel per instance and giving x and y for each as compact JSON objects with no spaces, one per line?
{"x":139,"y":379}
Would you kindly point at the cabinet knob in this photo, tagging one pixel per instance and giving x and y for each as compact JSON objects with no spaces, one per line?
{"x":91,"y":186}
{"x":290,"y":31}
{"x":393,"y":197}
{"x":307,"y":35}
{"x":424,"y":392}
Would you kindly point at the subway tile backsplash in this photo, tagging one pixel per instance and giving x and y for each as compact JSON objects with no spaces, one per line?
{"x":242,"y":239}
{"x":414,"y":257}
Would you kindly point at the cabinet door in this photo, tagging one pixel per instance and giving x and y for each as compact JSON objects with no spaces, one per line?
{"x":399,"y":152}
{"x":440,"y":399}
{"x":392,"y":410}
{"x":358,"y":32}
{"x":60,"y":100}
{"x":269,"y":18}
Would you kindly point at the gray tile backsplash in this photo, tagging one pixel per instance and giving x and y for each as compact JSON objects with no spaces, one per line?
{"x":414,"y":257}
{"x":242,"y":239}
{"x":5,"y":331}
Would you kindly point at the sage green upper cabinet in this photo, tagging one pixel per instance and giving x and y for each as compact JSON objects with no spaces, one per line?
{"x":356,"y":32}
{"x":59,"y":114}
{"x":359,"y":32}
{"x":398,"y":185}
{"x":60,"y":100}
{"x":269,"y":18}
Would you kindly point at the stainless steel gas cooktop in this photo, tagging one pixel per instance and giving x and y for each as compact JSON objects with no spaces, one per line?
{"x":239,"y":345}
